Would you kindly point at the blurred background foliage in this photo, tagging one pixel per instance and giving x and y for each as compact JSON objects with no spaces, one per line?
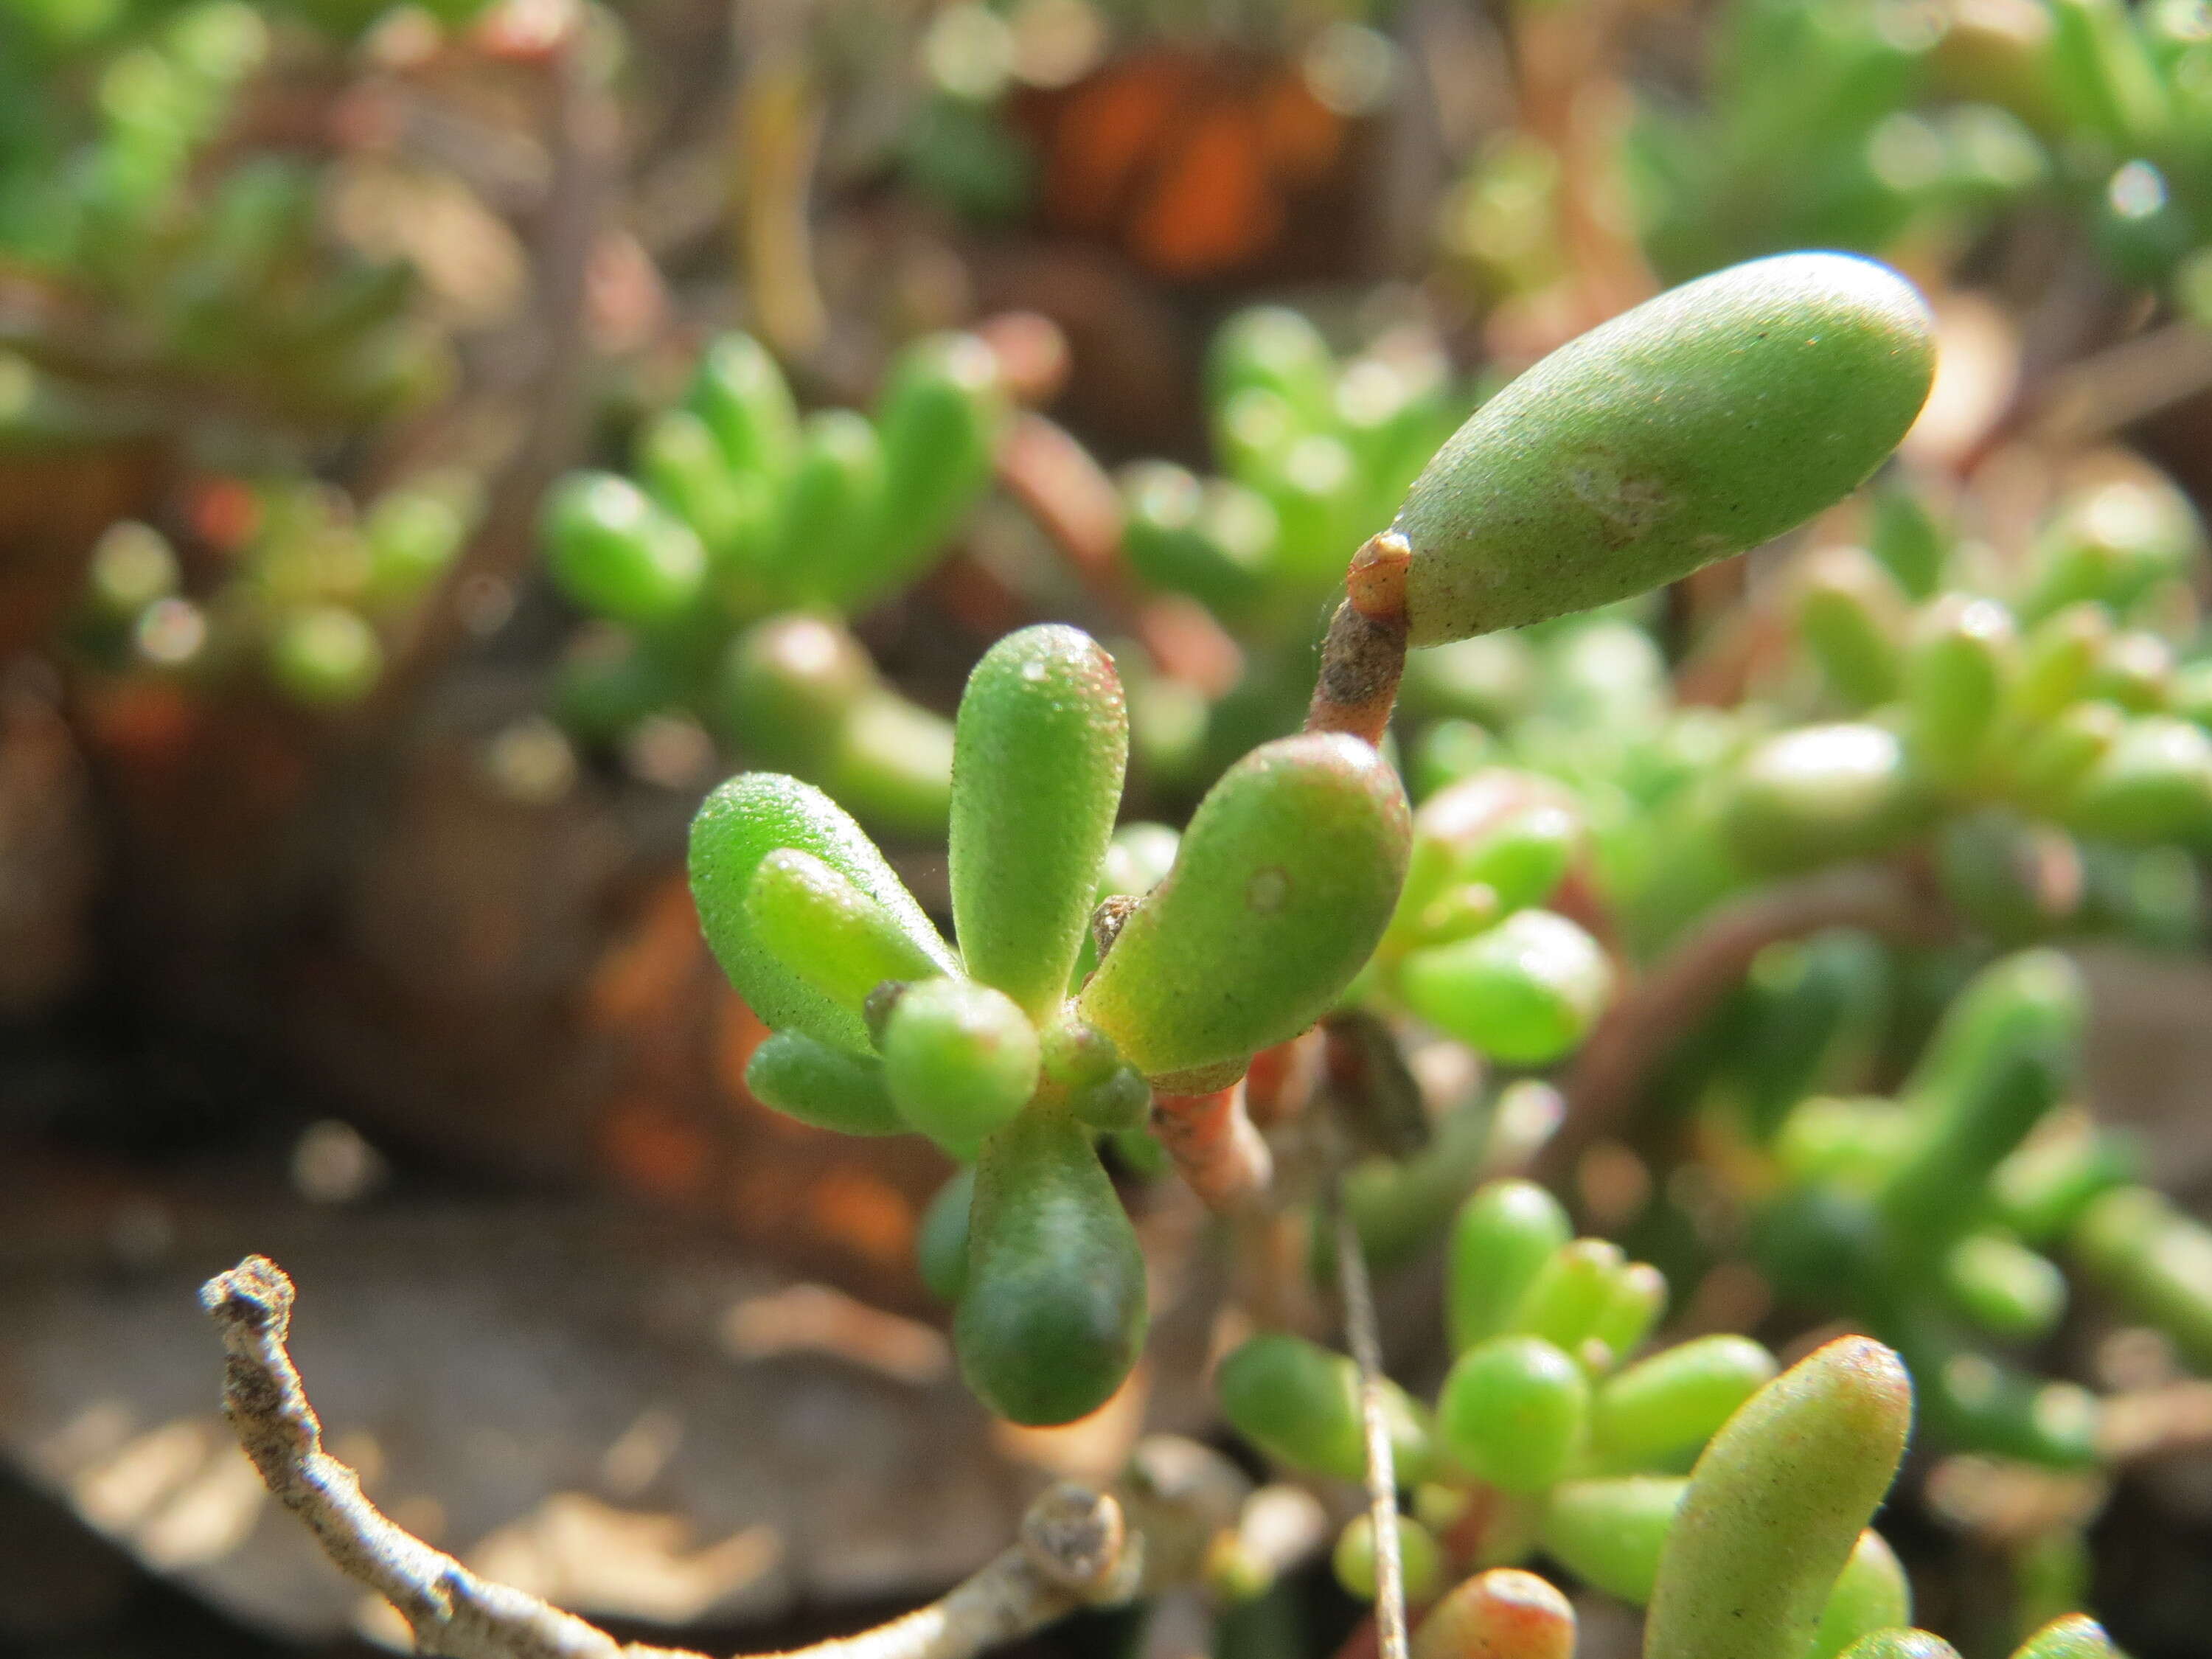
{"x":438,"y":443}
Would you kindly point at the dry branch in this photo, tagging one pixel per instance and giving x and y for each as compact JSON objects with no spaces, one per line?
{"x":1074,"y":1551}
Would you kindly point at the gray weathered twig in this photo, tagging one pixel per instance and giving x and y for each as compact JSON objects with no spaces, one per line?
{"x":1074,"y":1552}
{"x":1382,"y":1474}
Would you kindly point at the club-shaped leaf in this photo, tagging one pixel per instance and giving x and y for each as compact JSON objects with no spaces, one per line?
{"x":1900,"y":1644}
{"x":1677,"y":1399}
{"x":741,"y":823}
{"x":829,"y":1088}
{"x":1776,"y":1506}
{"x":616,"y":552}
{"x":1280,"y":889}
{"x":745,"y":402}
{"x":1700,"y":425}
{"x":942,"y":406}
{"x":961,"y":1059}
{"x":1053,"y":1312}
{"x":1039,"y":749}
{"x":1872,"y":1593}
{"x":2076,"y":1636}
{"x":1299,"y":1403}
{"x":1501,"y":1239}
{"x":1611,"y":1534}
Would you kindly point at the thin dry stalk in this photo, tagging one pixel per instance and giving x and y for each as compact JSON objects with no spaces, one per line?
{"x":1360,"y":1333}
{"x":1075,"y":1549}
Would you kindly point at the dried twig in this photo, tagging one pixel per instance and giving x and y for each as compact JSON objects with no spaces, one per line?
{"x":1074,"y":1551}
{"x":1381,"y":1475}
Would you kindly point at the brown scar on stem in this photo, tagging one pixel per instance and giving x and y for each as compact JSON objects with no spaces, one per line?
{"x":1107,"y":921}
{"x":1362,"y":661}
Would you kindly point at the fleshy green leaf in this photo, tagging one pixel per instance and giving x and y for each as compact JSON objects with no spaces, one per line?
{"x":1700,"y":424}
{"x":1039,"y":749}
{"x":740,"y":824}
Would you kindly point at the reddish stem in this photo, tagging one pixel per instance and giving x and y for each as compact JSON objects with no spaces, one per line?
{"x":1689,"y":981}
{"x":1215,"y":1147}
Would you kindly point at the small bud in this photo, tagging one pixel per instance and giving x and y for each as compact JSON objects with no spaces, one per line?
{"x":829,"y":1088}
{"x":1419,"y":1558}
{"x":1501,"y":1239}
{"x":1513,"y":1412}
{"x":1503,"y":1614}
{"x":960,"y":1058}
{"x":1525,"y":992}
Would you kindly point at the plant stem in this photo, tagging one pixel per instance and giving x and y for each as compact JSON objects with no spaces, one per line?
{"x":1075,"y":1550}
{"x":1214,"y":1145}
{"x":1682,"y":986}
{"x":1381,"y":1474}
{"x":1364,"y":656}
